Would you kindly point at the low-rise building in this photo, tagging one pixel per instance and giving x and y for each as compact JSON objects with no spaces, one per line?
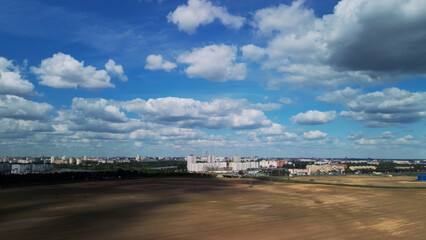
{"x":363,"y":167}
{"x":326,"y":168}
{"x":299,"y":172}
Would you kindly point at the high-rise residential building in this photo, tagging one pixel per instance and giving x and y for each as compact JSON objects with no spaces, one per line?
{"x":211,"y":159}
{"x":236,"y":158}
{"x":52,"y":159}
{"x":138,"y":158}
{"x":71,"y":160}
{"x":191,"y":159}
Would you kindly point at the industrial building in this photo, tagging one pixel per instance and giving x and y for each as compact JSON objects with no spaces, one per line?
{"x":421,"y":177}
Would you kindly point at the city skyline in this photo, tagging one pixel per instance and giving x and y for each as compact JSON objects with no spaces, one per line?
{"x":267,"y":78}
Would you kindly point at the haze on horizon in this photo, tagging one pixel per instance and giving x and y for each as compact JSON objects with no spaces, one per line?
{"x":173,"y":78}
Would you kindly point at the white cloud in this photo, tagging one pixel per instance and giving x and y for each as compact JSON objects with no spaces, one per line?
{"x":364,"y":141}
{"x":339,"y":96}
{"x":21,"y":128}
{"x":283,"y":18}
{"x":201,"y":12}
{"x":275,"y":133}
{"x":314,"y":117}
{"x":365,"y":42}
{"x":356,"y":135}
{"x":267,"y":106}
{"x":214,"y":62}
{"x":377,"y":36}
{"x":99,"y":108}
{"x":156,"y":62}
{"x":387,"y":135}
{"x":96,"y":115}
{"x":408,"y":139}
{"x":137,"y":144}
{"x":388,"y":107}
{"x":386,"y":140}
{"x":285,"y":100}
{"x":115,"y":70}
{"x":11,"y":81}
{"x":252,"y":52}
{"x":311,"y":135}
{"x":166,"y":133}
{"x":63,"y":71}
{"x":20,"y":108}
{"x":186,"y":112}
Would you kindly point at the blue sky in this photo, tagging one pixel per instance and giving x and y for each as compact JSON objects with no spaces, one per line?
{"x":173,"y":78}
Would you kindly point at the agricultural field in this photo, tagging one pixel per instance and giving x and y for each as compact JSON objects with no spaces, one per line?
{"x":367,"y":180}
{"x":190,"y":208}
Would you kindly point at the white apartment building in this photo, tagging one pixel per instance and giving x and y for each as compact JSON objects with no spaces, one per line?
{"x":211,"y":159}
{"x":237,"y":166}
{"x":268,"y":164}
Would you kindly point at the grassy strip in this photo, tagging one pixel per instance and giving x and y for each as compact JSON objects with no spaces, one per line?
{"x":331,"y":184}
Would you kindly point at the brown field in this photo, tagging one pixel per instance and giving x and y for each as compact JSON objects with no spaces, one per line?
{"x":379,"y":180}
{"x":188,"y":208}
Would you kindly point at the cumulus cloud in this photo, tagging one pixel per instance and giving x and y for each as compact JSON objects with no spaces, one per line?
{"x":96,"y":115}
{"x":166,"y":133}
{"x":364,"y":141}
{"x":63,"y":71}
{"x":387,"y":135}
{"x":408,"y":139}
{"x":20,"y":108}
{"x":201,"y":12}
{"x":214,"y":62}
{"x":386,"y":139}
{"x":285,"y":100}
{"x":186,"y":112}
{"x":99,"y":108}
{"x":274,"y":133}
{"x":314,"y":117}
{"x":312,"y":135}
{"x":378,"y":36}
{"x":365,"y":42}
{"x":292,"y":18}
{"x":115,"y":70}
{"x":355,"y":135}
{"x":11,"y":128}
{"x":388,"y":107}
{"x":339,"y":96}
{"x":252,"y":52}
{"x":156,"y":62}
{"x":11,"y":81}
{"x":78,"y":123}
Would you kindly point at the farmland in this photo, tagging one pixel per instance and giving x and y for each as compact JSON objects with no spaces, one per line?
{"x":191,"y":208}
{"x":366,"y":180}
